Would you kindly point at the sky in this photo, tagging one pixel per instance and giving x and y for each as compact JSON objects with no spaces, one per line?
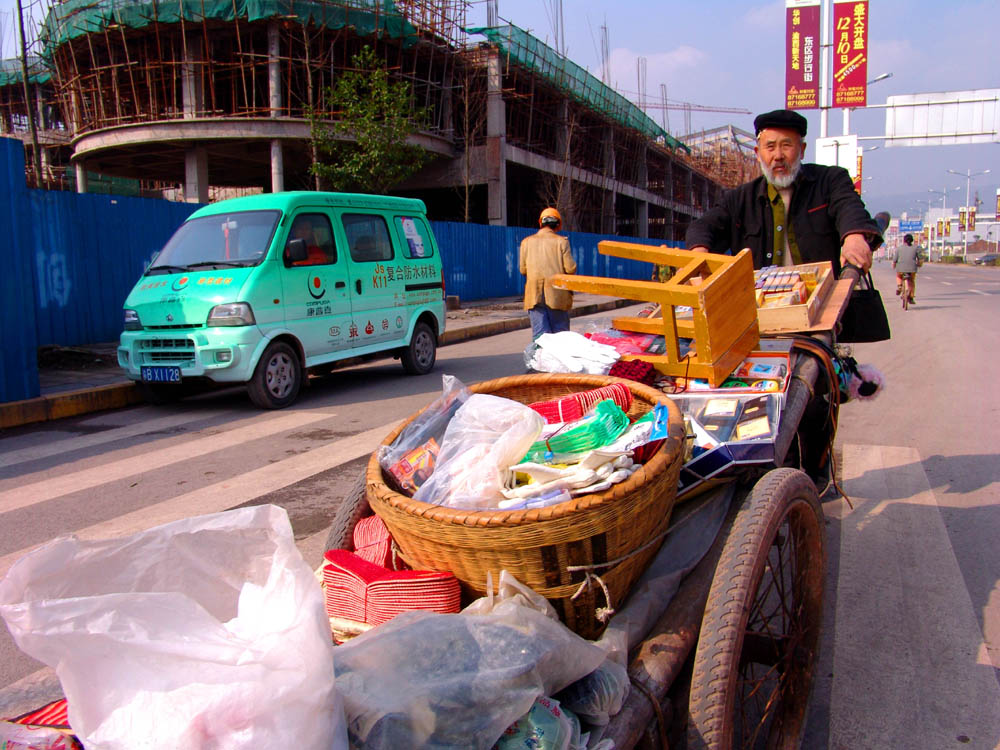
{"x":730,"y":54}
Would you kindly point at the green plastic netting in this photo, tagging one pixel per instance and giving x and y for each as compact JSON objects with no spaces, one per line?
{"x":74,"y":18}
{"x":10,"y":71}
{"x":533,"y":54}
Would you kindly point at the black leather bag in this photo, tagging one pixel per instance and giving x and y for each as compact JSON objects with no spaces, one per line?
{"x":864,"y":320}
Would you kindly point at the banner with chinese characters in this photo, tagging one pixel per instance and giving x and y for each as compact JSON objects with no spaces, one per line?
{"x":802,"y":54}
{"x":858,"y":178}
{"x":972,"y":219}
{"x":997,"y":214}
{"x":940,"y":227}
{"x":961,"y":219}
{"x":947,"y":227}
{"x":850,"y":53}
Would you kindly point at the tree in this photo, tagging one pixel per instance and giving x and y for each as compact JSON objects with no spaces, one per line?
{"x":364,"y":149}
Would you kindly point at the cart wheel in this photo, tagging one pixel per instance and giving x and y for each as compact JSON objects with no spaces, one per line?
{"x":352,"y":509}
{"x":756,"y":655}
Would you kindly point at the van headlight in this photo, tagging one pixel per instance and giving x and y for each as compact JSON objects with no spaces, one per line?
{"x":231,"y":314}
{"x":132,"y":322}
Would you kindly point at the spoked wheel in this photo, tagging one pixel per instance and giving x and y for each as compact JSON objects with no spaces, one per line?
{"x":757,"y":650}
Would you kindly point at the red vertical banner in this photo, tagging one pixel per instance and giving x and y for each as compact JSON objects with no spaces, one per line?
{"x":947,"y":227}
{"x":972,"y":218}
{"x":940,"y":227}
{"x":961,"y":219}
{"x":802,"y":54}
{"x":850,"y":53}
{"x":857,"y":177}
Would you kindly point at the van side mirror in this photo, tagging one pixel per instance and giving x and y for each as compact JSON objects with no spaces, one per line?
{"x":296,"y":251}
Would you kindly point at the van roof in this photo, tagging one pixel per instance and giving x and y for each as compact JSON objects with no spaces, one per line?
{"x":291,"y":200}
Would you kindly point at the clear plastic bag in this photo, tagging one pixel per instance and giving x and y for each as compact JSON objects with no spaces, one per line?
{"x":487,"y":435}
{"x":431,"y":423}
{"x":458,"y":681}
{"x":208,"y":632}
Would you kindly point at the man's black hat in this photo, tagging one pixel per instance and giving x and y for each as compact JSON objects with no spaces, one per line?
{"x":781,"y":118}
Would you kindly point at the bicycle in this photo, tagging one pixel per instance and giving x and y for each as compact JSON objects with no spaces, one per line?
{"x":907,"y":292}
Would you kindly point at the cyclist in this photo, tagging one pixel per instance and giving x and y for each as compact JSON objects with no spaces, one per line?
{"x":907,"y":261}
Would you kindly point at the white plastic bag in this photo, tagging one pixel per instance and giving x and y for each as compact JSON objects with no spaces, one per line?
{"x":456,"y":682}
{"x":209,"y":632}
{"x":487,"y":435}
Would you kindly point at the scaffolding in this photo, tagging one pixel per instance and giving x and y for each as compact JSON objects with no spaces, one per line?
{"x":726,"y":153}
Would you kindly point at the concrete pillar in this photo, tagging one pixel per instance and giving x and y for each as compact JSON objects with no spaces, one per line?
{"x":192,"y":90}
{"x":496,"y":142}
{"x":81,"y":177}
{"x":642,"y":208}
{"x":46,"y":164}
{"x":196,"y":175}
{"x":564,"y":200}
{"x":608,"y":218}
{"x":275,"y":103}
{"x":277,"y":167}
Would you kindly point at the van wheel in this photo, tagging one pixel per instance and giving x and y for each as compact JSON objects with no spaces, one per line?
{"x":418,"y":358}
{"x":277,"y":379}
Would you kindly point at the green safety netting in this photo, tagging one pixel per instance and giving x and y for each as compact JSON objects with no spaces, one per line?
{"x":72,"y":18}
{"x":533,"y":54}
{"x":10,"y":71}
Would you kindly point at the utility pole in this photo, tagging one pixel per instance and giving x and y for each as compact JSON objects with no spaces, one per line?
{"x":36,"y":156}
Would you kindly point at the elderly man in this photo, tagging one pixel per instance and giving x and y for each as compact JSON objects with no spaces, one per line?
{"x":795,"y":213}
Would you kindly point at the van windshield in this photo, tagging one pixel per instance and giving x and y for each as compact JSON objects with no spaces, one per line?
{"x":220,"y":241}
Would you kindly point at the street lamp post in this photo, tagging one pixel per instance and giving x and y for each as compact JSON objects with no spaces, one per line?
{"x":847,"y":110}
{"x":968,"y":183}
{"x":944,"y":205}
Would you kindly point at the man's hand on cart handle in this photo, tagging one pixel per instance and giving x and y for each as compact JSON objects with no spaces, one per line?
{"x":856,"y":252}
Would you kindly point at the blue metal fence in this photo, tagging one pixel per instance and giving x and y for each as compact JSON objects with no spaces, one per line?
{"x":18,"y":342}
{"x":481,"y":262}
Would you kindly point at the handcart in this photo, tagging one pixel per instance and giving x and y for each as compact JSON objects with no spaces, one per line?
{"x":730,"y":662}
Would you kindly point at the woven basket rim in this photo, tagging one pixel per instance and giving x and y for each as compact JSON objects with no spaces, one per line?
{"x":659,"y":463}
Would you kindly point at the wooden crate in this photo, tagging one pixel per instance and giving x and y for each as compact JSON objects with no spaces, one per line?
{"x":719,"y":289}
{"x":799,"y":317}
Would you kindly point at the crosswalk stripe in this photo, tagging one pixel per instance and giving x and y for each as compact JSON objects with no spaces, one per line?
{"x":67,"y":445}
{"x":47,"y":489}
{"x":896,"y":559}
{"x":980,"y":291}
{"x":229,"y":493}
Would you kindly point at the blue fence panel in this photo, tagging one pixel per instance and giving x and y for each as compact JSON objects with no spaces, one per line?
{"x":89,"y":252}
{"x":18,"y":361}
{"x":481,"y":262}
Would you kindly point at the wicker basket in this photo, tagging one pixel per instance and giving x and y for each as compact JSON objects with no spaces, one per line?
{"x":538,"y":545}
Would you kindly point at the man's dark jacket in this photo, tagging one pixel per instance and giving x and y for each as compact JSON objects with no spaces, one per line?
{"x":824,"y":209}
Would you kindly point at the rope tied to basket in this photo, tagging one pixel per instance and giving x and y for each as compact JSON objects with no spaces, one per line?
{"x":603,"y":614}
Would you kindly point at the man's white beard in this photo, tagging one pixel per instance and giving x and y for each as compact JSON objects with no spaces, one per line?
{"x":784,"y":180}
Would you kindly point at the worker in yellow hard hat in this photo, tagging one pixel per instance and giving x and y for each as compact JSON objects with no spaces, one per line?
{"x":542,"y":255}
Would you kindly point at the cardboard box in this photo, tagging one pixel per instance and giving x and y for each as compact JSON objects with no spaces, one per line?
{"x":798,"y":317}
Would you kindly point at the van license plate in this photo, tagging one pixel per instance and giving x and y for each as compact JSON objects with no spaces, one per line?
{"x":160,"y":374}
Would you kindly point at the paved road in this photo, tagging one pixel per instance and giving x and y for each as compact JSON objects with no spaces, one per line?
{"x":913,"y":604}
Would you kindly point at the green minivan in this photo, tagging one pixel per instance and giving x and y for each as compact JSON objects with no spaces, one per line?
{"x":257,"y":290}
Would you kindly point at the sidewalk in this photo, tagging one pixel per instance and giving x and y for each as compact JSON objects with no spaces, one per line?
{"x":80,"y":380}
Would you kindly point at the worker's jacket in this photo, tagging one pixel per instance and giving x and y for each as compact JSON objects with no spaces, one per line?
{"x":824,"y":209}
{"x":542,"y":255}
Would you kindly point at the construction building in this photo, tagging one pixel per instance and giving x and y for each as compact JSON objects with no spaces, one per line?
{"x":199,"y":98}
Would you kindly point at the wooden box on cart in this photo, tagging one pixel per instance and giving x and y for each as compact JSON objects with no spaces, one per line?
{"x":801,"y":317}
{"x":718,"y":289}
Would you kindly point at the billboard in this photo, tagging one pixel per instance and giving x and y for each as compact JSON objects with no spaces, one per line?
{"x":850,"y":53}
{"x":802,"y":50}
{"x":943,"y":118}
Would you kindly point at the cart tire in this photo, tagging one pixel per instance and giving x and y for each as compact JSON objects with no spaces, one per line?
{"x":352,"y":509}
{"x":757,"y":649}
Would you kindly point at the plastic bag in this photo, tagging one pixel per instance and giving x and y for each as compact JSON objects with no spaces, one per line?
{"x":458,"y":681}
{"x":547,"y":726}
{"x":430,"y":423}
{"x":208,"y":632}
{"x":20,"y":737}
{"x":487,"y":435}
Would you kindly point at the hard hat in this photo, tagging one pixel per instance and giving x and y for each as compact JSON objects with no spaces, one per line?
{"x":550,"y":216}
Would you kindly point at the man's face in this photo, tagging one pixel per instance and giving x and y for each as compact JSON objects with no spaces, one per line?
{"x":779,"y":152}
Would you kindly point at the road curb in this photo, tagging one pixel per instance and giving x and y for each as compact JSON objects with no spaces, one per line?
{"x":68,"y":404}
{"x":118,"y":395}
